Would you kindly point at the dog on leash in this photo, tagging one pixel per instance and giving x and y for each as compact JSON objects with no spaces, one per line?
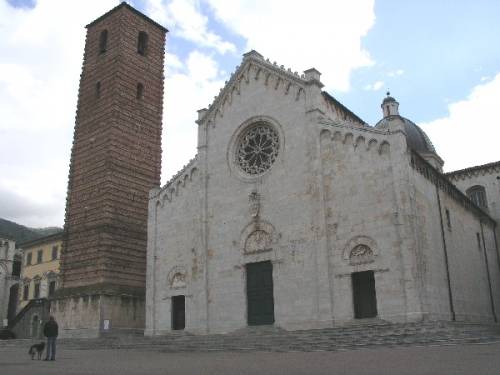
{"x":36,"y":349}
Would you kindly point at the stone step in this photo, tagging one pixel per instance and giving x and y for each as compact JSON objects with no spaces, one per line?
{"x":276,"y":339}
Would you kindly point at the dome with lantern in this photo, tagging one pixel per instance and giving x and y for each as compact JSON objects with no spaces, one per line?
{"x":416,"y":138}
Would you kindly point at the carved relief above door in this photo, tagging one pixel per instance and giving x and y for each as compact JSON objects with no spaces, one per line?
{"x":258,"y":236}
{"x":258,"y":241}
{"x":177,"y":278}
{"x":360,"y":250}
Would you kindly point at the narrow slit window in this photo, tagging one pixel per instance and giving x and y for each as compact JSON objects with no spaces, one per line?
{"x":142,"y":43}
{"x":26,"y":292}
{"x":98,"y":90}
{"x":478,"y":237}
{"x":448,"y":219}
{"x":16,"y":267}
{"x":52,"y":288}
{"x":55,"y":250}
{"x":103,"y":41}
{"x":140,"y":91}
{"x":36,"y":293}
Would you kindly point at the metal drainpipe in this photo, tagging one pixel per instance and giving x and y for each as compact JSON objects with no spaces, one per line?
{"x":488,"y":274}
{"x":445,"y":250}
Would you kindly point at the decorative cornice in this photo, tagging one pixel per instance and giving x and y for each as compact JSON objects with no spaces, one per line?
{"x":173,"y":179}
{"x":336,"y":103}
{"x":132,"y":9}
{"x":252,"y":58}
{"x":474,"y":171}
{"x":322,"y":120}
{"x":40,"y":241}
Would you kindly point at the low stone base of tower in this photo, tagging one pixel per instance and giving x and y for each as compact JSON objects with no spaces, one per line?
{"x":89,"y":312}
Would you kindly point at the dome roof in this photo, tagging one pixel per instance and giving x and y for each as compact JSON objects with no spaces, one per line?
{"x":415,"y":136}
{"x":388,"y":99}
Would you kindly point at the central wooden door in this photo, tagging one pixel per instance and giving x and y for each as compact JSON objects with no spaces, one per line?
{"x":260,"y":298}
{"x":178,"y":312}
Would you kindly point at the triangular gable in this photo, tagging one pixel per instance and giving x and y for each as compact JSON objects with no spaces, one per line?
{"x":254,"y":66}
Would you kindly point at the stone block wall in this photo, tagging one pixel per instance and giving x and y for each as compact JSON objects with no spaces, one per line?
{"x":115,"y":162}
{"x":116,"y":156}
{"x":457,"y":252}
{"x":83,"y":316}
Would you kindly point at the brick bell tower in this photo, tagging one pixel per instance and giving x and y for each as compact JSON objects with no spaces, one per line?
{"x":115,"y":161}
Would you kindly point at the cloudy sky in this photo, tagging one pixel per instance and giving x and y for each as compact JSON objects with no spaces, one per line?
{"x":439,"y":58}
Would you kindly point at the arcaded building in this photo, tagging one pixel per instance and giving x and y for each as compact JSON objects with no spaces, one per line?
{"x":297,"y":213}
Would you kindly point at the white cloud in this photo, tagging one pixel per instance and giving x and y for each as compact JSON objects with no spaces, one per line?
{"x":321,"y":34}
{"x":188,"y":88}
{"x":172,"y":62}
{"x":40,"y":62}
{"x":184,"y":18}
{"x":396,"y":73}
{"x":40,"y":65}
{"x":376,"y":86}
{"x":469,"y":135}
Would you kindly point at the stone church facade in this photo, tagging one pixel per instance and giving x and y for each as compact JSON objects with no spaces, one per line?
{"x":297,"y":213}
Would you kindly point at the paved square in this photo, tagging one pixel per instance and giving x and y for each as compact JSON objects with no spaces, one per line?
{"x":460,"y":359}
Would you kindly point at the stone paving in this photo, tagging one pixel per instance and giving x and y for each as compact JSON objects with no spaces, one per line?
{"x":483,"y":359}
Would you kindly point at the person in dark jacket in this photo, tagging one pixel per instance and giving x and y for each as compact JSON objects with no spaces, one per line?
{"x":51,"y":331}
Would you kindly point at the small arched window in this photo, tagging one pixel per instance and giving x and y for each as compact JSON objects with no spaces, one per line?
{"x":140,"y":91}
{"x":142,"y":43}
{"x":103,"y":41}
{"x":477,"y":194}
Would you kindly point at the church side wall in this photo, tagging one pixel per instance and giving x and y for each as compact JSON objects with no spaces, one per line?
{"x":429,"y":249}
{"x":174,"y":264}
{"x":466,"y":264}
{"x":490,"y":247}
{"x":489,"y":178}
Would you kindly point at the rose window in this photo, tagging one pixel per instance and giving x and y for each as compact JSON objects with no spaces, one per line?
{"x":257,"y":149}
